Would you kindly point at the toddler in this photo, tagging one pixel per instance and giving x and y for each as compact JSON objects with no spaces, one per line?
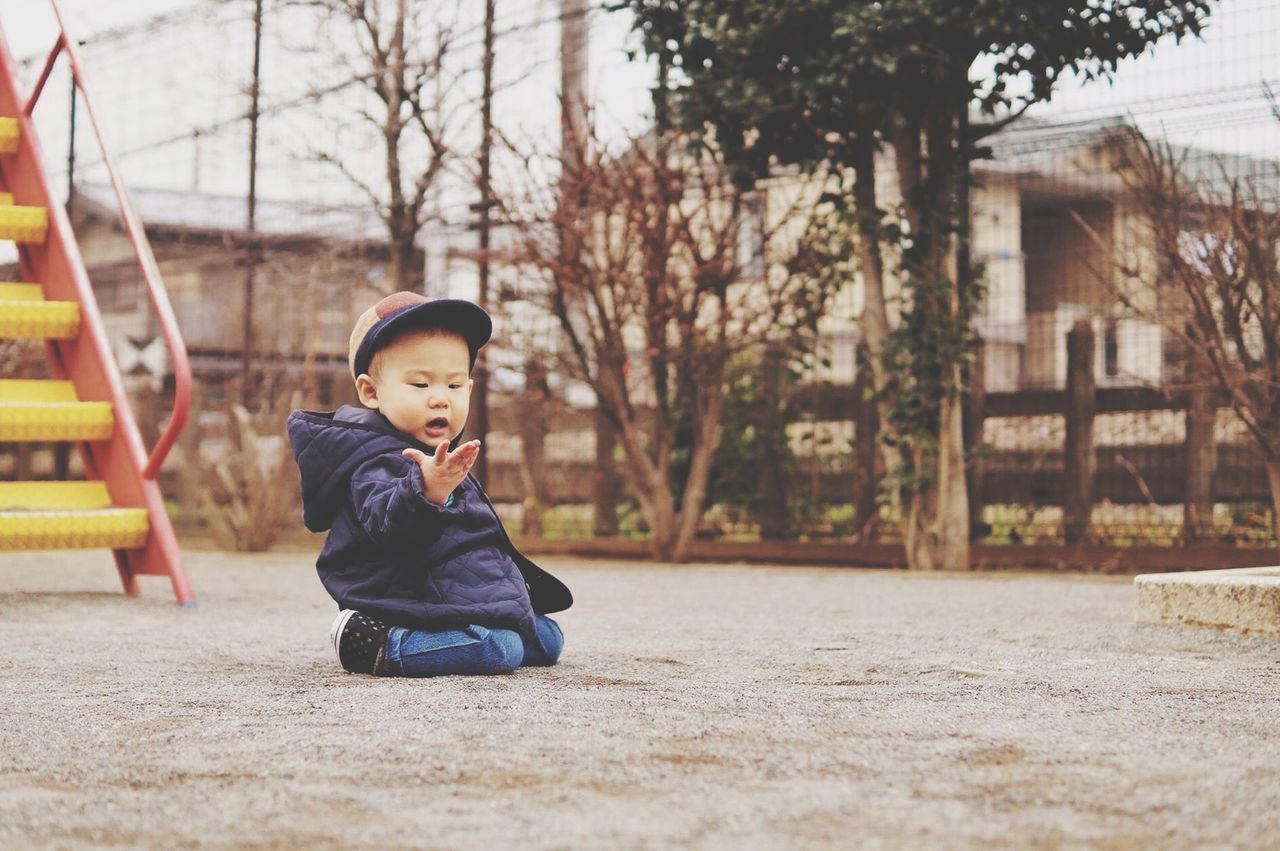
{"x":427,"y":580}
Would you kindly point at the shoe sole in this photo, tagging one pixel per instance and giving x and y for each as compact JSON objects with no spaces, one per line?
{"x":335,"y":632}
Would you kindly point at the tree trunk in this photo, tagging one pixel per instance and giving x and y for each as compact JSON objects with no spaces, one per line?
{"x":1200,"y":458}
{"x":695,"y":487}
{"x":875,"y":318}
{"x":921,"y":507}
{"x":874,"y":322}
{"x":404,"y":272}
{"x":933,"y":174}
{"x":663,"y":526}
{"x":671,"y":531}
{"x":605,"y":492}
{"x":937,"y":533}
{"x":1273,"y":477}
{"x":652,"y":486}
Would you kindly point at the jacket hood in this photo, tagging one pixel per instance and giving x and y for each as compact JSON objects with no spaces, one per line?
{"x":329,"y":447}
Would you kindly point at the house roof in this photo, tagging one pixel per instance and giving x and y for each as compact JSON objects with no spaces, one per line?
{"x":1030,"y":143}
{"x":204,"y":212}
{"x":1048,"y":152}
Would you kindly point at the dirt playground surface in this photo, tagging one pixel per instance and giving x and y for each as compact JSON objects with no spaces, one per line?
{"x":714,"y":707}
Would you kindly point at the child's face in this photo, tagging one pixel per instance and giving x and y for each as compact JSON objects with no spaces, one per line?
{"x":423,"y":385}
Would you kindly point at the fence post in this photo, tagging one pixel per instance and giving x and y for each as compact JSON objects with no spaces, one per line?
{"x":189,"y":446}
{"x":773,"y":515}
{"x":146,"y":410}
{"x":62,"y":461}
{"x":22,"y":462}
{"x":1078,"y":461}
{"x":866,"y":432}
{"x":974,"y":415}
{"x":533,"y":435}
{"x":1201,"y":459}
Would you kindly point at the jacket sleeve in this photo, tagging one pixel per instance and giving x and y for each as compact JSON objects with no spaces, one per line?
{"x":391,"y":503}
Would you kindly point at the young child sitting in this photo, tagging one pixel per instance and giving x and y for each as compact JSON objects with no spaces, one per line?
{"x":427,"y":580}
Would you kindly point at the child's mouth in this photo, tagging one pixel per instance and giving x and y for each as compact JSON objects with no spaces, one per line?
{"x":438,"y":424}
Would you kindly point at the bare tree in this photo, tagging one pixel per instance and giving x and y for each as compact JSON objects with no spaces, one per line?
{"x":656,"y":297}
{"x":1216,"y":238}
{"x":395,"y":50}
{"x":244,"y":486}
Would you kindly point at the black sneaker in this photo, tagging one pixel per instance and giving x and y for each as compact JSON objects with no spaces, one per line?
{"x":359,"y":642}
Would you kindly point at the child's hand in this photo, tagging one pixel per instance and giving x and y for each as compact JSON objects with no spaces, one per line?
{"x":444,"y":470}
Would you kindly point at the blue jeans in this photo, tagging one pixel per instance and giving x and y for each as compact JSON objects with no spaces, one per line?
{"x":470,"y":650}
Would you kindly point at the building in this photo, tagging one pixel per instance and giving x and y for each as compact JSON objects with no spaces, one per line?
{"x":314,"y":268}
{"x":1058,"y":237}
{"x":1061,"y":237}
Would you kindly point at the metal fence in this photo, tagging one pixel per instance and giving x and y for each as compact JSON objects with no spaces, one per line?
{"x":1076,"y":297}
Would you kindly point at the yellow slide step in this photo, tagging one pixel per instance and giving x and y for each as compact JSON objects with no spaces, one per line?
{"x":66,"y":515}
{"x":8,"y":135}
{"x":32,"y":410}
{"x":25,"y":315}
{"x":23,"y":224}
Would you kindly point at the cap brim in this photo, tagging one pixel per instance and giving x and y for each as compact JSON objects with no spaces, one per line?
{"x":464,"y":317}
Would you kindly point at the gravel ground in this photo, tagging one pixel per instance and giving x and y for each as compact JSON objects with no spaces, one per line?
{"x":696,"y":706}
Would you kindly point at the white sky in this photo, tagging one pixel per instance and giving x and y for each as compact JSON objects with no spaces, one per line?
{"x":154,"y":89}
{"x":1205,"y":92}
{"x":150,"y":89}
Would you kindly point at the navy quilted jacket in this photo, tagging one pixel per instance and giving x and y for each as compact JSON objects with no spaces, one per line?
{"x":392,"y":553}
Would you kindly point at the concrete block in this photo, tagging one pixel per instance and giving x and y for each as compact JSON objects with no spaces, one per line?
{"x":1246,"y":599}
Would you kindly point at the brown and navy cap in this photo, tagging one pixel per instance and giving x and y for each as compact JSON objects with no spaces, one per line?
{"x":402,"y":311}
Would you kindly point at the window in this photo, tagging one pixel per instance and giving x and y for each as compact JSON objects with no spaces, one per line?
{"x":117,"y":288}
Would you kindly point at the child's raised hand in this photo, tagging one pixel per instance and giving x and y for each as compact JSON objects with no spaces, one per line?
{"x":443,"y":470}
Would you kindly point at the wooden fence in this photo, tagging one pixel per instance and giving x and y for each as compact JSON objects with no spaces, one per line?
{"x":1076,"y":474}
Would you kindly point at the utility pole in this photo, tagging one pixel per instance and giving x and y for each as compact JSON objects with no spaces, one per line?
{"x":246,"y":364}
{"x":480,"y":404}
{"x":573,"y":142}
{"x":573,"y":73}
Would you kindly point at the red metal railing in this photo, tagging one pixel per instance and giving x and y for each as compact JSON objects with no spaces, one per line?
{"x":142,"y":249}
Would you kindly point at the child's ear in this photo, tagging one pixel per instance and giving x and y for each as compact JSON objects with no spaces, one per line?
{"x":471,"y":383}
{"x":367,"y":391}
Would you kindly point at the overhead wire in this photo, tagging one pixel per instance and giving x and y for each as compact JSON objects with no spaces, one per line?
{"x":159,"y":23}
{"x":1181,"y":114}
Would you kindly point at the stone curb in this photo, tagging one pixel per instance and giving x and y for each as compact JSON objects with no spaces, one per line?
{"x":1246,"y":599}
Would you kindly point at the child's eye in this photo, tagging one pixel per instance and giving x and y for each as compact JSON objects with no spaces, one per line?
{"x":455,"y":386}
{"x":420,"y":384}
